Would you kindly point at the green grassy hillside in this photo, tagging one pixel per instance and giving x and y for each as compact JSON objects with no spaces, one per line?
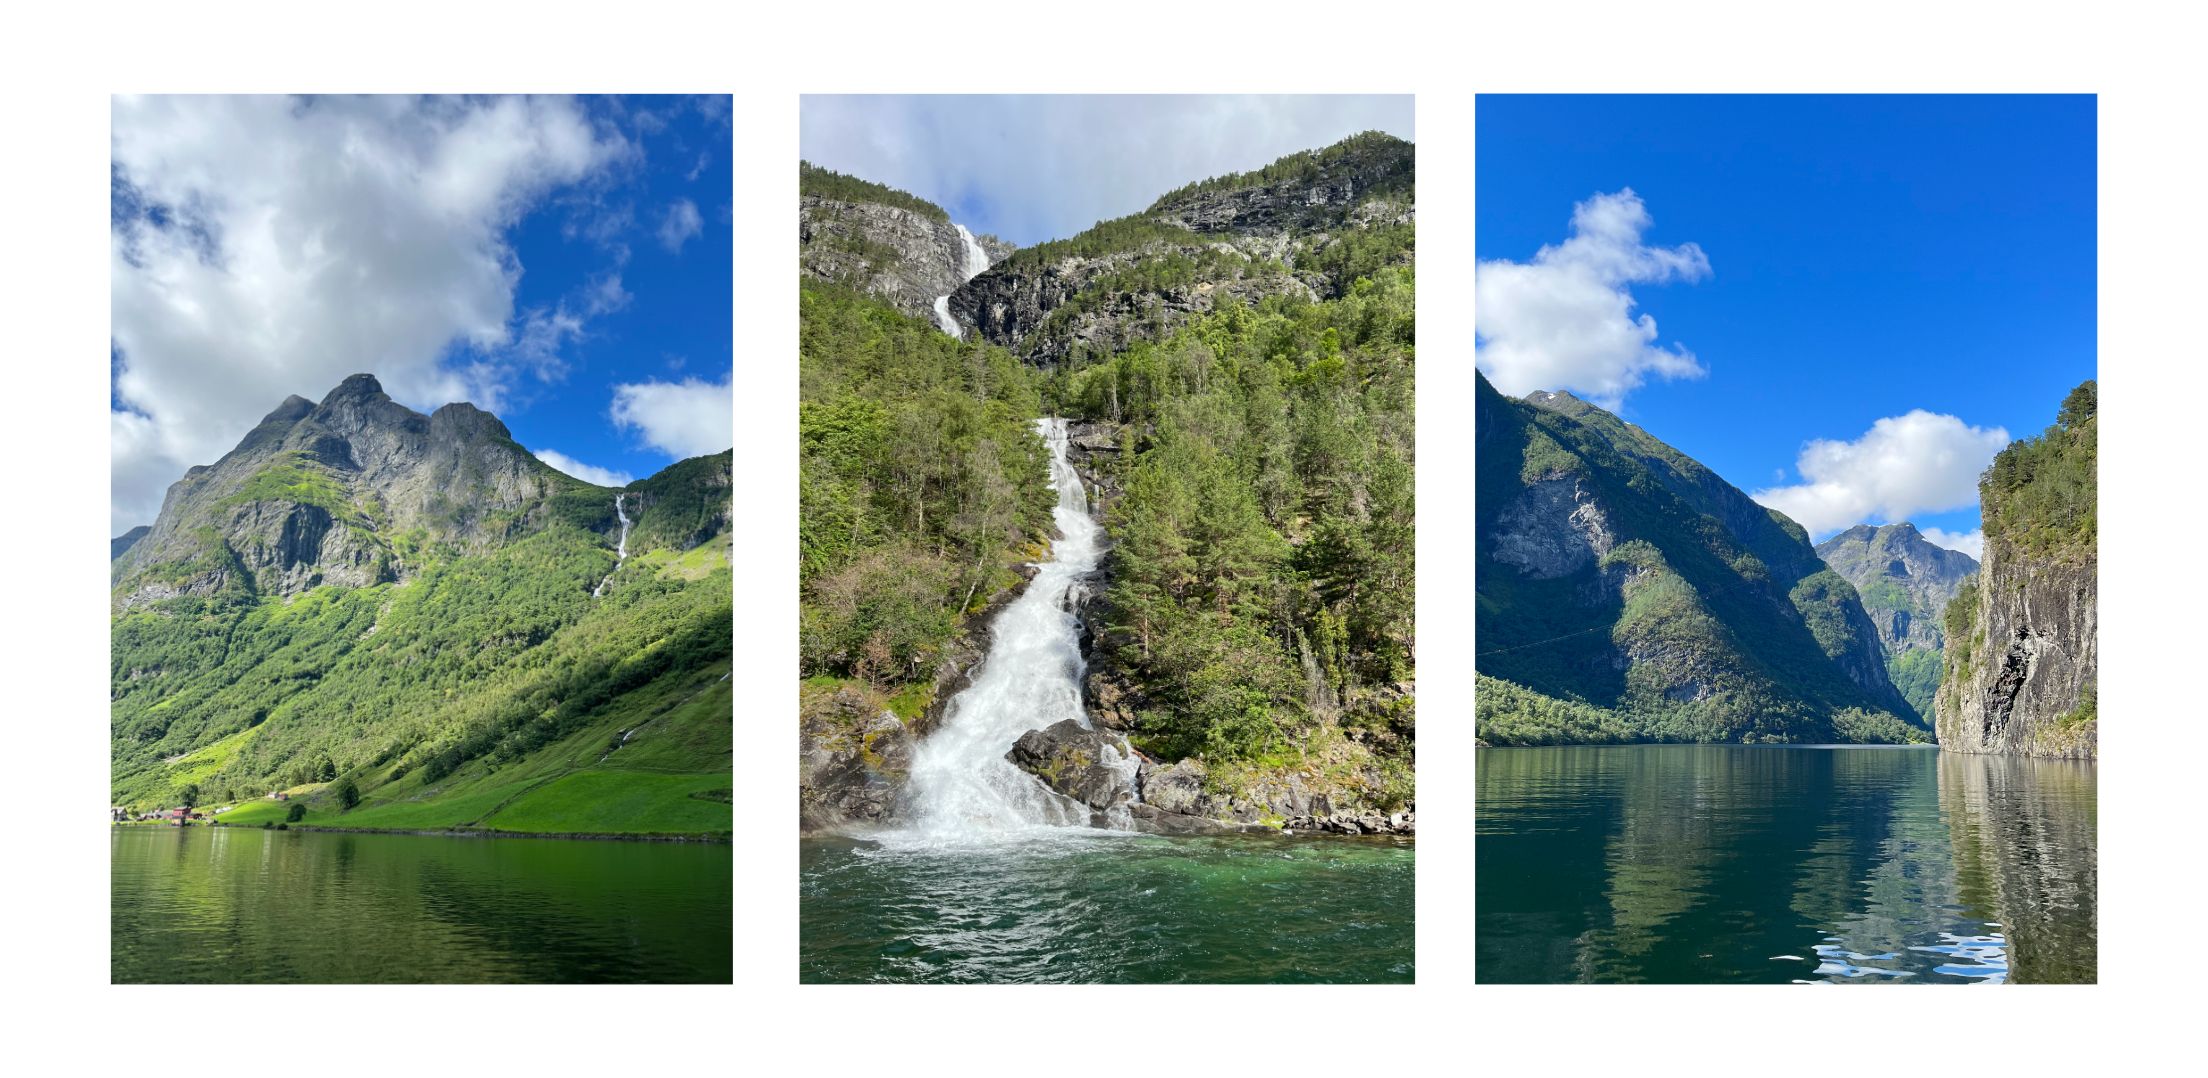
{"x":487,"y":691}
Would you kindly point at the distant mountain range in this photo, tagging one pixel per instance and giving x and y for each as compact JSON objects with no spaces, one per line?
{"x":1905,"y":583}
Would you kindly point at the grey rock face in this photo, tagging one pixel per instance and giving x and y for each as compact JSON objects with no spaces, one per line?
{"x":1013,"y":305}
{"x":903,"y":256}
{"x":852,"y":765}
{"x":1554,"y":529}
{"x":2015,"y":687}
{"x":1242,"y":242}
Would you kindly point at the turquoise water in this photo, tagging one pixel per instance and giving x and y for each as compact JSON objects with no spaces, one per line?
{"x":1101,"y":907}
{"x":1735,"y":864}
{"x":220,"y":905}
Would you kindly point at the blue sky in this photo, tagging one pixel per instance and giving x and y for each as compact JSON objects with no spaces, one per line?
{"x":1030,"y":168}
{"x":563,"y":262}
{"x":1853,"y":259}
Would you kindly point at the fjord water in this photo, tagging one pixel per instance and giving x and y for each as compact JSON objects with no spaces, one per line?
{"x":1739,"y":864}
{"x":1105,"y":907}
{"x":215,"y":905}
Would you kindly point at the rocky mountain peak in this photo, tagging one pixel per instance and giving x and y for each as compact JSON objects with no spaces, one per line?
{"x":356,"y":386}
{"x":461,"y":421}
{"x":1560,"y":401}
{"x":294,"y":408}
{"x":317,"y":494}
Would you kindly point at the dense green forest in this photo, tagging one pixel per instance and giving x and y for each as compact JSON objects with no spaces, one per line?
{"x":1262,"y":577}
{"x":922,"y":483}
{"x":2042,"y":493}
{"x":482,"y":663}
{"x":826,"y":183}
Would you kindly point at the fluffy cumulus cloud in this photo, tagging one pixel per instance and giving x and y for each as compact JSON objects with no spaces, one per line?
{"x":1565,"y":320}
{"x":1972,"y":542}
{"x":588,"y":473}
{"x":689,"y":418}
{"x":1904,"y":465}
{"x":265,"y":246}
{"x":681,"y":223}
{"x":1036,"y":167}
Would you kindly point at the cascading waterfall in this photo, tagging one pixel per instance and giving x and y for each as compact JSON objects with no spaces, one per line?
{"x":977,"y":261}
{"x":961,"y":786}
{"x":621,"y":552}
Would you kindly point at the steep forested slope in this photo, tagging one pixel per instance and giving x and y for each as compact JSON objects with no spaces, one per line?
{"x":1259,"y":613}
{"x":1617,"y":574}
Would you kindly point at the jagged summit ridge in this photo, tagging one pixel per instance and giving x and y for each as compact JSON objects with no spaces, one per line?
{"x":322,"y":493}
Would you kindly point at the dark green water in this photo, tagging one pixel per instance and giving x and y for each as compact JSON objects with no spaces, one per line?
{"x":212,"y":905}
{"x":1733,"y":864}
{"x":1093,"y":907}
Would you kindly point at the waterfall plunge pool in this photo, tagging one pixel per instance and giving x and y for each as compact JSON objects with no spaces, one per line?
{"x":1078,"y":905}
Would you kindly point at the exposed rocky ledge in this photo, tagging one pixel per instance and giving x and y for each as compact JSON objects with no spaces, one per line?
{"x":852,"y":762}
{"x":1091,"y":766}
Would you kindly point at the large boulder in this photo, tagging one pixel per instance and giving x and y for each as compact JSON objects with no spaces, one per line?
{"x":1094,"y":767}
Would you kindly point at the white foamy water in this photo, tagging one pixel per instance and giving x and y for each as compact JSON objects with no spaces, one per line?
{"x":621,"y":552}
{"x":962,"y":789}
{"x":977,"y":261}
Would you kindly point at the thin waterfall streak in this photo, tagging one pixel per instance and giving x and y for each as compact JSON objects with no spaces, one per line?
{"x":621,"y":551}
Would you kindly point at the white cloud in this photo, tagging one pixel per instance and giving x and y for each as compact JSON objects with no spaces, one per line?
{"x":681,"y":223}
{"x":1903,"y":466}
{"x":683,"y":419}
{"x":588,"y":473}
{"x":1972,"y":542}
{"x":1565,"y":321}
{"x":265,"y":246}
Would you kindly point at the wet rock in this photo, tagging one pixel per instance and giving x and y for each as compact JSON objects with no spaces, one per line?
{"x":1178,"y":788}
{"x":852,"y":764}
{"x":1094,"y":767}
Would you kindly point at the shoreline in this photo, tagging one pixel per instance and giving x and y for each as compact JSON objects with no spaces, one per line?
{"x":702,"y":838}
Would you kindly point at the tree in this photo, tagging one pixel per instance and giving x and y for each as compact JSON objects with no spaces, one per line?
{"x":348,"y":795}
{"x":188,"y":796}
{"x":296,"y":813}
{"x":325,"y":771}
